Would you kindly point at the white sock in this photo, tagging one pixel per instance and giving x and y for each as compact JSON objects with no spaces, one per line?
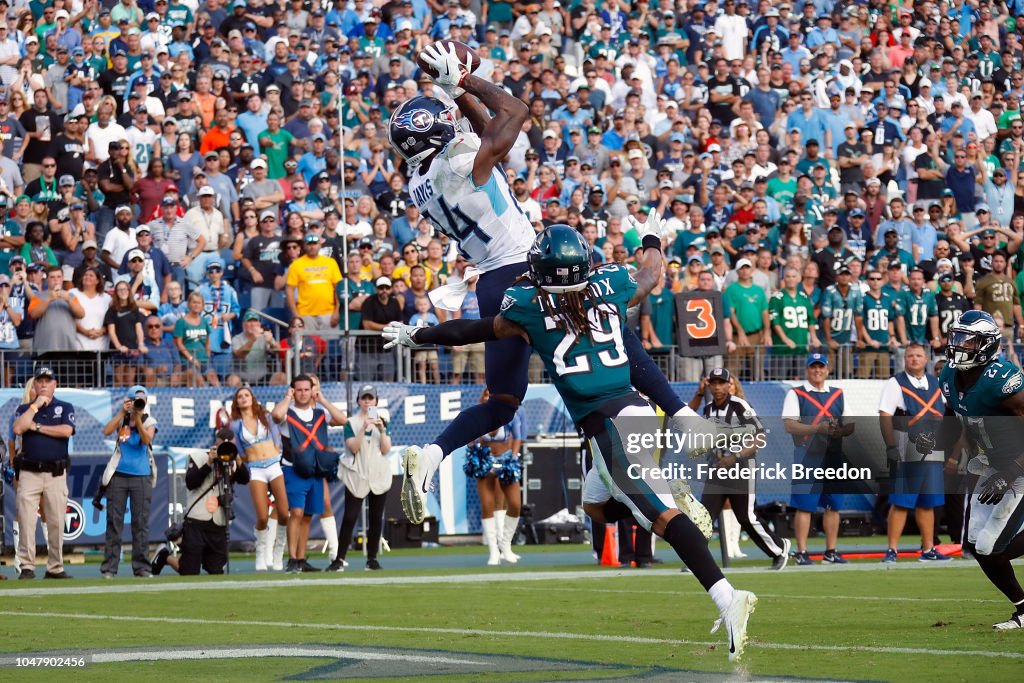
{"x":721,"y":593}
{"x":434,"y":455}
{"x":331,"y":534}
{"x":499,"y":525}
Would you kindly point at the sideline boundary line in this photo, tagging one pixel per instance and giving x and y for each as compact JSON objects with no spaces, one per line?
{"x":342,"y":580}
{"x":545,"y":635}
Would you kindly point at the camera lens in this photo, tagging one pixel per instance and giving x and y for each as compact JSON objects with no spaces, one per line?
{"x":139,"y":404}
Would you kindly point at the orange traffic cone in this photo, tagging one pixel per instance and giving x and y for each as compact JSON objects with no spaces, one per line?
{"x":610,"y":552}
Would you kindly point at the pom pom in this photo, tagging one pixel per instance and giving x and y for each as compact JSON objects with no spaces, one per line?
{"x":478,"y":461}
{"x":511,"y":469}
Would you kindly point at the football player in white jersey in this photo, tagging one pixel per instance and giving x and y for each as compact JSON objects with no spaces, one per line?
{"x":457,"y":182}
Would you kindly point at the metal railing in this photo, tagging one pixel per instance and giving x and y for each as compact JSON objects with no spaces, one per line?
{"x":337,"y":356}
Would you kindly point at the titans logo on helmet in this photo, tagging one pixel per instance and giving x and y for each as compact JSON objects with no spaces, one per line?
{"x":417,"y":120}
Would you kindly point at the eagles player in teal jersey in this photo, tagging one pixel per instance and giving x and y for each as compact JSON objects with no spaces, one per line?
{"x":917,"y":314}
{"x":574,"y":318}
{"x":984,"y":392}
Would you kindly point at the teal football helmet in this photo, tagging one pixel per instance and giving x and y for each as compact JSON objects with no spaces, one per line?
{"x":560,"y":260}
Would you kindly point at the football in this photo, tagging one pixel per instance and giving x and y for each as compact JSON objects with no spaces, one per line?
{"x":461,"y":49}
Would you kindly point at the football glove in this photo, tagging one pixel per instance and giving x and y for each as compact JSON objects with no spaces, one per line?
{"x":400,"y":334}
{"x":992,"y":491}
{"x":443,"y":58}
{"x":654,"y":226}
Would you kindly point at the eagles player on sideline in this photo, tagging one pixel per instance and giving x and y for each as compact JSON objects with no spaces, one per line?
{"x":733,"y":411}
{"x":574,"y":318}
{"x":984,"y":392}
{"x":456,"y":181}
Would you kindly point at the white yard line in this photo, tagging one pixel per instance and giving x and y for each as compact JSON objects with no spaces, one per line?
{"x":157,"y":585}
{"x":537,"y":635}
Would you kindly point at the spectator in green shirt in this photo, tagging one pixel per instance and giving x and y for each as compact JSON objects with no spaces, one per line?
{"x":749,"y":306}
{"x":794,"y":329}
{"x":275,"y":143}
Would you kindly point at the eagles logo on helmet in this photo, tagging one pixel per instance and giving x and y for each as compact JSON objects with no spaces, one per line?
{"x":973,"y":340}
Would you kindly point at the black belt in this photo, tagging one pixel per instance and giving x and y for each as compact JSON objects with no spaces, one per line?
{"x":55,"y":468}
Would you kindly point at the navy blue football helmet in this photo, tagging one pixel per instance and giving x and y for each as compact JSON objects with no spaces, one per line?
{"x":560,"y":260}
{"x":974,"y":339}
{"x":420,"y":127}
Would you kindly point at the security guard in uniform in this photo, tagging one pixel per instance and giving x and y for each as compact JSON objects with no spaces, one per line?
{"x":813,"y":413}
{"x":45,"y":426}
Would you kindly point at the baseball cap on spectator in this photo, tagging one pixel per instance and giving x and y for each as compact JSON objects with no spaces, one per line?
{"x":988,"y":232}
{"x":250,"y":315}
{"x":268,"y":213}
{"x":211,"y":155}
{"x":597,"y":189}
{"x":142,"y":229}
{"x":714,"y":147}
{"x":214,"y":264}
{"x":44,"y":372}
{"x":594,"y":130}
{"x":635,"y":154}
{"x":168,"y":201}
{"x":383,"y":281}
{"x":258,"y":163}
{"x":90,"y":244}
{"x":136,"y":254}
{"x":206,"y":191}
{"x":857,"y":213}
{"x":694,"y":257}
{"x":666,"y":184}
{"x":716,"y":250}
{"x":844,"y":271}
{"x":873,"y":181}
{"x":550,"y":134}
{"x":66,"y":180}
{"x":981,"y":208}
{"x":744,"y":262}
{"x":817,"y":359}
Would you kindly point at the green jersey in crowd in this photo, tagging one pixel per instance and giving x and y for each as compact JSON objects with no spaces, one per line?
{"x":747,"y":303}
{"x":795,"y":315}
{"x":916,"y":310}
{"x":876,"y":318}
{"x":838,"y":309}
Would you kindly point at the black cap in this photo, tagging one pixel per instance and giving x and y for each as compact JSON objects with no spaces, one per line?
{"x":719,"y":374}
{"x":44,"y":371}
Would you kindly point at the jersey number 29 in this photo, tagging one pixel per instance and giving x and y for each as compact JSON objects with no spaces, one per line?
{"x":600,"y":334}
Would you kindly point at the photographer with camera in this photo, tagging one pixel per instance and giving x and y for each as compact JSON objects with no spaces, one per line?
{"x":210,"y":479}
{"x":307,"y":460}
{"x":130,"y":474}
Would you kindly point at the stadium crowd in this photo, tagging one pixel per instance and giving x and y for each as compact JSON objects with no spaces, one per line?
{"x":846,"y":174}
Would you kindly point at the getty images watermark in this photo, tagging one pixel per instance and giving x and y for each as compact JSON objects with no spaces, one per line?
{"x":707,"y":449}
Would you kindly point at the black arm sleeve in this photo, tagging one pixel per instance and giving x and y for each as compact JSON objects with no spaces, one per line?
{"x":457,"y":332}
{"x":195,"y":475}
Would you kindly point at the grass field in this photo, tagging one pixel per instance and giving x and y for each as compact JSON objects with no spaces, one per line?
{"x":539,"y":621}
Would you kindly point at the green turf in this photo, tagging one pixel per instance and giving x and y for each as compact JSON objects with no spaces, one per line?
{"x":807,"y":610}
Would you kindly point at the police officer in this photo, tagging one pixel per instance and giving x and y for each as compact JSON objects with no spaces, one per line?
{"x":911,"y":404}
{"x":45,"y":426}
{"x":813,"y":413}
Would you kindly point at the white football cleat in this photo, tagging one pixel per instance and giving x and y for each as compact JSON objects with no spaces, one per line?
{"x":735,"y":619}
{"x":418,"y":475}
{"x":1013,"y":623}
{"x":691,"y":507}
